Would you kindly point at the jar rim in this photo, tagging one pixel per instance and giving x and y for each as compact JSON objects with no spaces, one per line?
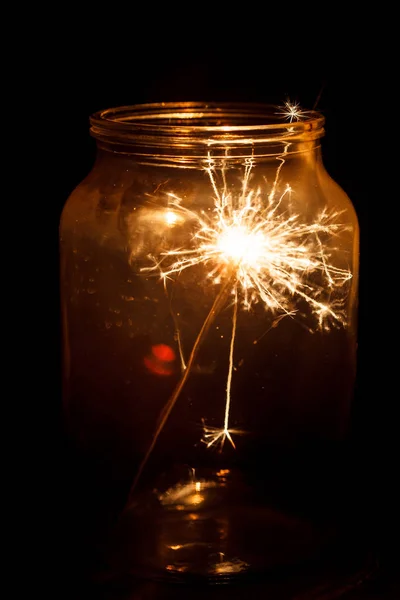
{"x":205,"y":123}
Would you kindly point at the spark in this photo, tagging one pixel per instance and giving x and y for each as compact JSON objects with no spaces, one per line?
{"x":254,"y":248}
{"x":214,"y":435}
{"x":269,"y":254}
{"x":292,"y":111}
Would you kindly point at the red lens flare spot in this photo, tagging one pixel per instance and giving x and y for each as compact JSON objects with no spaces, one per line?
{"x":160,"y":360}
{"x":163,"y":352}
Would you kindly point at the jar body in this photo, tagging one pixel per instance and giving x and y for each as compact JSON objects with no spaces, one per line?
{"x":209,"y":375}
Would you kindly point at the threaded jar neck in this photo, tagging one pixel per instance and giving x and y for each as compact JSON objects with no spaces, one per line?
{"x":198,"y":129}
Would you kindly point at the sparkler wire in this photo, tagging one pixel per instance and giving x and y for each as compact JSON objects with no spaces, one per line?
{"x":166,"y":411}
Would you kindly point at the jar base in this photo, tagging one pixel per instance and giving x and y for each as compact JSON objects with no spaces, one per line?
{"x":214,"y":528}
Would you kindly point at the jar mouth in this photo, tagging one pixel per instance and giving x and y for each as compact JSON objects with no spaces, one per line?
{"x":191,"y":124}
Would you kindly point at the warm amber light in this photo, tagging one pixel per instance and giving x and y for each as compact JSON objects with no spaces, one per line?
{"x":186,"y":495}
{"x":171,"y":217}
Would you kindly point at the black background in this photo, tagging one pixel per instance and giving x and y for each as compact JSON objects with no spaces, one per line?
{"x":87,"y":67}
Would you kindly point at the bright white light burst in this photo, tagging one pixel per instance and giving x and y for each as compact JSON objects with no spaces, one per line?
{"x":270,"y":255}
{"x":292,"y":111}
{"x":258,"y":251}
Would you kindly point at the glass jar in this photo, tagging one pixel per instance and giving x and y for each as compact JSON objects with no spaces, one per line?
{"x":209,"y":269}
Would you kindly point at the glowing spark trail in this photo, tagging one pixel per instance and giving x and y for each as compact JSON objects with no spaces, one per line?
{"x":258,"y":250}
{"x":214,"y":435}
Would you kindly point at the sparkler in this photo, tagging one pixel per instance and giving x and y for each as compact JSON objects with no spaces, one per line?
{"x":254,"y":249}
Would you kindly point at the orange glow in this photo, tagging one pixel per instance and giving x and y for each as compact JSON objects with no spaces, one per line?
{"x":222,"y":472}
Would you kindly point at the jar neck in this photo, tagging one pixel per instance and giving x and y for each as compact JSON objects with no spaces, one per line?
{"x":197,"y":135}
{"x":304,"y":153}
